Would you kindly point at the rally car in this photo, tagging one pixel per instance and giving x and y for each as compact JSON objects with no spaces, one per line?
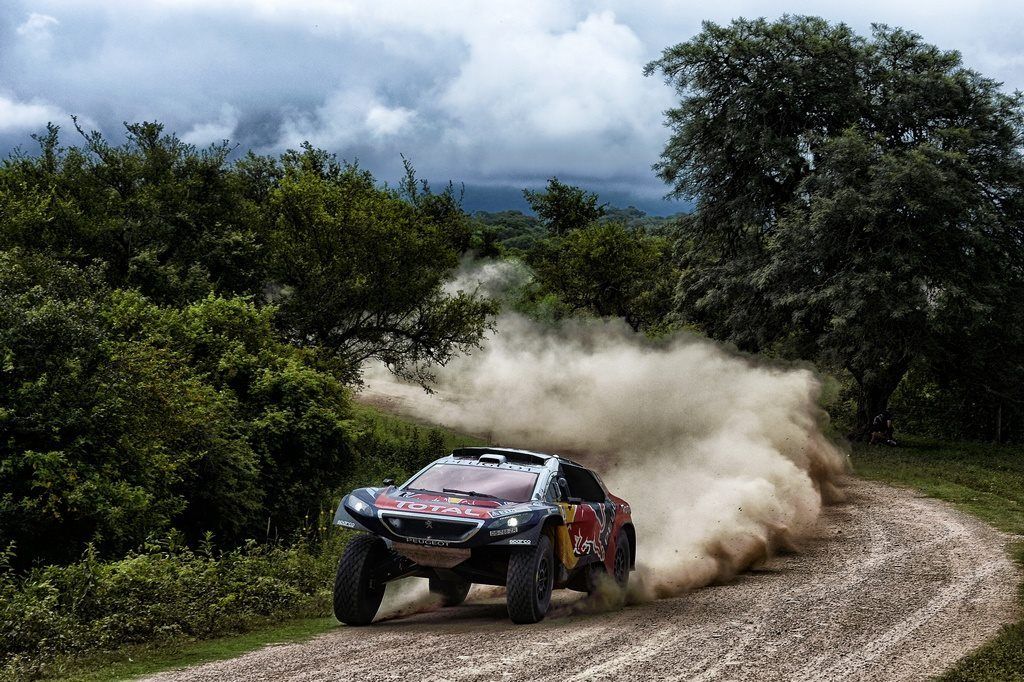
{"x":525,"y":520}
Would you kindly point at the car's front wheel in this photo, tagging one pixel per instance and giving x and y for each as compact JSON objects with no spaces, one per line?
{"x":357,"y":595}
{"x":531,"y":576}
{"x":451,"y":592}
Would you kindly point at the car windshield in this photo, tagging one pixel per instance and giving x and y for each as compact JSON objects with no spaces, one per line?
{"x":505,"y":484}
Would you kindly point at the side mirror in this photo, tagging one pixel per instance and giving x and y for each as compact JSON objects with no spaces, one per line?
{"x":563,"y":487}
{"x":389,"y":481}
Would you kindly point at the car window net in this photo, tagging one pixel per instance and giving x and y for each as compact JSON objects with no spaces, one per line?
{"x":582,"y":484}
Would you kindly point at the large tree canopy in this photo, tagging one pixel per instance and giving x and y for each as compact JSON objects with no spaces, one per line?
{"x":608,"y":270}
{"x":858,"y":199}
{"x":361,"y":269}
{"x":357,"y":269}
{"x":178,"y":332}
{"x":596,"y":264}
{"x":159,"y":214}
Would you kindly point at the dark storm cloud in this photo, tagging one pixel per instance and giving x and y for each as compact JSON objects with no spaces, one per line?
{"x":492,"y":93}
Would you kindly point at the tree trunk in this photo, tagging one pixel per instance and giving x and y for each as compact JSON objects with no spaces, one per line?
{"x":999,"y":424}
{"x":876,"y":388}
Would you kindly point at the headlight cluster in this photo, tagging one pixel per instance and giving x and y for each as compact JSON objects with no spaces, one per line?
{"x":516,"y":520}
{"x":358,"y":506}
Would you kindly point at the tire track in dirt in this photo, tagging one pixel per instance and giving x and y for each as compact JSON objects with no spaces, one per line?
{"x":891,"y":586}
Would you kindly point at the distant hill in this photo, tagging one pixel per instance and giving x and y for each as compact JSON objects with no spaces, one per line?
{"x":516,"y":229}
{"x":497,"y":199}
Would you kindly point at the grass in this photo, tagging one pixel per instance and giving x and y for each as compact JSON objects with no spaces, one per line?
{"x":984,"y":480}
{"x":145,"y":659}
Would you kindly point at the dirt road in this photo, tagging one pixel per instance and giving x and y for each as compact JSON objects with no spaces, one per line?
{"x":892,"y":586}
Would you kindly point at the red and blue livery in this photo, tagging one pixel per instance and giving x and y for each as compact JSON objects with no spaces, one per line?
{"x":528,"y":521}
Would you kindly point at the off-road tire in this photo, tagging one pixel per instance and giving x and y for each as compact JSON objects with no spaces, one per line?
{"x":620,"y":566}
{"x":594,"y":573}
{"x":356,"y":596}
{"x":531,"y":576}
{"x":451,"y":592}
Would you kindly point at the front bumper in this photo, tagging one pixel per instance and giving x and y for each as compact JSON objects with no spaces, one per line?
{"x":434,"y":530}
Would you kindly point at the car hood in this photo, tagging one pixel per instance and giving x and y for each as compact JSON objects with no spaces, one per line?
{"x":442,"y":504}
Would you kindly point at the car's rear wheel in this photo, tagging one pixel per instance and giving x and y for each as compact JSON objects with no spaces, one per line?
{"x":357,"y":594}
{"x":620,"y":565}
{"x":531,"y":576}
{"x":597,"y":572}
{"x":451,"y":592}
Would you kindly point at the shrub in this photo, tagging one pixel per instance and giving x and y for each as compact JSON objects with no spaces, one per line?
{"x":162,"y":592}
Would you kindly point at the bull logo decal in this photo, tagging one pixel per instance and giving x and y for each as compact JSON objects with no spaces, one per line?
{"x":605,"y":514}
{"x":582,"y":546}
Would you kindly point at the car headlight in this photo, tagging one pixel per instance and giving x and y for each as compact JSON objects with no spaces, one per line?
{"x":358,"y":506}
{"x":517,"y":520}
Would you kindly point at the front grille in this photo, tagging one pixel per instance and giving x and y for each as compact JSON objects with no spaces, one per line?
{"x":430,"y":528}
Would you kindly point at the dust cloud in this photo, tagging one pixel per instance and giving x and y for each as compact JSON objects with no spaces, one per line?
{"x":405,"y":598}
{"x":722,"y":458}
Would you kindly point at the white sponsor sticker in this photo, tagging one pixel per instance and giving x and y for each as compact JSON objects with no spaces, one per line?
{"x":498,"y":513}
{"x":428,"y":541}
{"x":439,"y":509}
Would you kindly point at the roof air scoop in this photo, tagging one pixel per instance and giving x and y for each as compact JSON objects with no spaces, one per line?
{"x":491,"y":458}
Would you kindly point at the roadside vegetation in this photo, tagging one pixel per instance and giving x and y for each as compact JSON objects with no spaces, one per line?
{"x":133,"y":661}
{"x":182,"y":330}
{"x":161,"y":599}
{"x":60,"y":613}
{"x":984,"y":480}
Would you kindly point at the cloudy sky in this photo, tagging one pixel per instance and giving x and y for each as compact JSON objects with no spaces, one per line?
{"x":494,"y":94}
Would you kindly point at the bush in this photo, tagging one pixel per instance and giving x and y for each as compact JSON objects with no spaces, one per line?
{"x":163,"y":592}
{"x":123,"y":419}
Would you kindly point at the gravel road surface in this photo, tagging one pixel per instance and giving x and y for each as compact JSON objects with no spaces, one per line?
{"x":892,"y":586}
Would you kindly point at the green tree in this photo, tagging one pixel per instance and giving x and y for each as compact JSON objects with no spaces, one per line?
{"x":294,"y":417}
{"x":361,"y":269}
{"x":178,"y":334}
{"x":121,"y":419}
{"x":161,"y":215}
{"x":608,"y":270}
{"x":102,"y":440}
{"x":564,"y":208}
{"x":859,"y":200}
{"x":357,"y":270}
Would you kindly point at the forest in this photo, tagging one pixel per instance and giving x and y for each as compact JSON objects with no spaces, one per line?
{"x":183,"y":329}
